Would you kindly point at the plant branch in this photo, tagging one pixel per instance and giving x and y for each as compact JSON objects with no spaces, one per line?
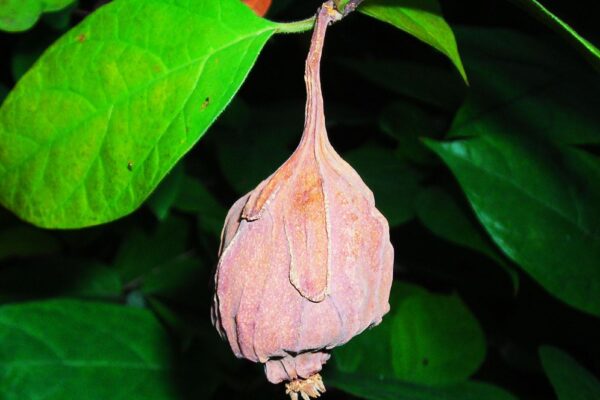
{"x":308,"y":23}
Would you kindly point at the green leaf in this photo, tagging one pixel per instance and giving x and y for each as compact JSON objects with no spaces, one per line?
{"x":24,"y":240}
{"x":65,"y":349}
{"x":143,"y":82}
{"x":570,"y":380}
{"x":421,"y":18}
{"x":540,"y":206}
{"x":60,"y":20}
{"x":407,"y":122}
{"x":393,"y":182}
{"x":141,"y":252}
{"x":429,"y":84}
{"x":161,"y":201}
{"x":20,"y":15}
{"x":196,"y":199}
{"x":522,"y":86}
{"x":441,"y":214}
{"x":250,"y":151}
{"x":427,"y":338}
{"x":540,"y":12}
{"x":389,"y":389}
{"x":50,"y":277}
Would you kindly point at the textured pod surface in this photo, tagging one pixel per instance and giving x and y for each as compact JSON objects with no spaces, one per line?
{"x":305,"y":261}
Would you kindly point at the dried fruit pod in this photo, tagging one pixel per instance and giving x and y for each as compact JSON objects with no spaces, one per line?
{"x":305,"y":261}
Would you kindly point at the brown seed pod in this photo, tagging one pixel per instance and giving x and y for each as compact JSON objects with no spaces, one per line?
{"x":305,"y":261}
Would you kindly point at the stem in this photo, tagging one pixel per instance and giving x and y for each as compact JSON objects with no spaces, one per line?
{"x":314,"y":124}
{"x":308,"y":23}
{"x":296,"y":26}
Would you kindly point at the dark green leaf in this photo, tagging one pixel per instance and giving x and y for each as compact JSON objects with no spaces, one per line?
{"x":421,"y":18}
{"x":427,"y":338}
{"x":249,"y":154}
{"x":161,"y":201}
{"x":20,"y":15}
{"x":141,"y":252}
{"x":523,"y":86}
{"x":540,"y":206}
{"x":196,"y":199}
{"x":406,"y":122}
{"x":24,"y":240}
{"x":570,"y":380}
{"x":393,"y":182}
{"x":389,"y":389}
{"x":441,"y":214}
{"x":431,"y":85}
{"x":65,"y":349}
{"x":543,"y":14}
{"x":60,"y":20}
{"x":143,"y":82}
{"x":42,"y":278}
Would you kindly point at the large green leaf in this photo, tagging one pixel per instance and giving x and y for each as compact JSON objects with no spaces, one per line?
{"x":427,"y":338}
{"x":66,"y":349}
{"x":539,"y":204}
{"x":393,"y":182}
{"x":388,"y":389}
{"x":20,"y":15}
{"x":543,"y":14}
{"x":570,"y":380}
{"x":117,"y":101}
{"x":421,"y":18}
{"x":442,"y":214}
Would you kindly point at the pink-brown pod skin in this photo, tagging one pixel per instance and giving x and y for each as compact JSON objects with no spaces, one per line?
{"x":305,"y":261}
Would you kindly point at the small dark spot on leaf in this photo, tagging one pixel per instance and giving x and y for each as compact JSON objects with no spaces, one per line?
{"x":425,"y":362}
{"x":157,"y":68}
{"x":205,"y":104}
{"x":81,"y":38}
{"x":130,"y":165}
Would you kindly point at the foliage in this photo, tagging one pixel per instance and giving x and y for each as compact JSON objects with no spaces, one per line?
{"x":477,"y":131}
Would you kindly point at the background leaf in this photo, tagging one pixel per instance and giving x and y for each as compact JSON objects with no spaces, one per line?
{"x":20,"y":15}
{"x":427,"y":338}
{"x":440,"y":213}
{"x":570,"y":380}
{"x":421,"y":18}
{"x":393,"y":183}
{"x":523,"y":195}
{"x":386,"y":389}
{"x":536,"y":9}
{"x":127,"y":125}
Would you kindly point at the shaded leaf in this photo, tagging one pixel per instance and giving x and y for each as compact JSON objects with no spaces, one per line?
{"x":441,"y":214}
{"x":20,"y":15}
{"x":60,"y":20}
{"x":66,"y":349}
{"x":24,"y":240}
{"x":141,"y":252}
{"x":421,"y":18}
{"x":431,"y":85}
{"x":388,"y":389}
{"x":196,"y":199}
{"x":427,"y":338}
{"x":570,"y":380}
{"x":540,"y":12}
{"x":522,"y":86}
{"x":393,"y":182}
{"x":406,"y":122}
{"x":162,"y":199}
{"x":49,"y":277}
{"x":249,"y":154}
{"x":140,"y":93}
{"x":539,"y":205}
